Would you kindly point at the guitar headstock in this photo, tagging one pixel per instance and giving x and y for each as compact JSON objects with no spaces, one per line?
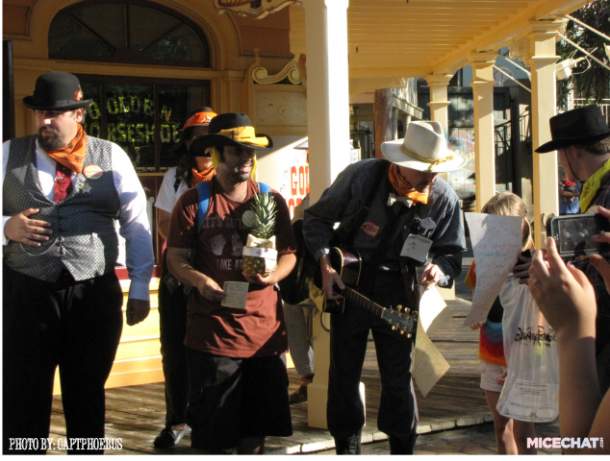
{"x":401,"y":319}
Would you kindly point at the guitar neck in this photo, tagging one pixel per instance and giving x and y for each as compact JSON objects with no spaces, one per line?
{"x":356,"y":298}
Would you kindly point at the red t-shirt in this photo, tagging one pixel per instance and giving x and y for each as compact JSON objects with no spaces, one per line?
{"x":259,"y":329}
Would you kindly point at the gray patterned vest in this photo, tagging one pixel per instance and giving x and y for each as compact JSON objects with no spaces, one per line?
{"x":84,"y":239}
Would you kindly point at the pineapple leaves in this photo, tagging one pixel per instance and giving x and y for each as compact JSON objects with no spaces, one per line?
{"x":261,"y":218}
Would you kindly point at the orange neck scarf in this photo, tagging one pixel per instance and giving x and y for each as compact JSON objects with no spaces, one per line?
{"x":404,"y":187}
{"x":73,"y":155}
{"x":205,"y":175}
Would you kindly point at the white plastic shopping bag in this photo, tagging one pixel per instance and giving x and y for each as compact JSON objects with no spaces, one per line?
{"x":531,"y":389}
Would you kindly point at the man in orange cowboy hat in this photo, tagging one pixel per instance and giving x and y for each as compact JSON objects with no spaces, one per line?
{"x":384,"y":205}
{"x":238,"y":381}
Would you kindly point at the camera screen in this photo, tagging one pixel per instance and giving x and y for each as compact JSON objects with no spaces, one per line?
{"x":575,"y":235}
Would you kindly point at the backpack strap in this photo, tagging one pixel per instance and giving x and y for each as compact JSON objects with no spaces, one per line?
{"x":263,"y":188}
{"x":204,"y":190}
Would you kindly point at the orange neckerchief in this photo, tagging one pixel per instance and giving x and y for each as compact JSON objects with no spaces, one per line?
{"x":73,"y":155}
{"x":205,"y":175}
{"x":404,"y":187}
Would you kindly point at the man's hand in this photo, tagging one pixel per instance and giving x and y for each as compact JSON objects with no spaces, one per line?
{"x":330,"y":278}
{"x":285,"y":264}
{"x":137,"y":310}
{"x":521,"y":271}
{"x":20,"y":228}
{"x":270,"y":279}
{"x":431,"y":276}
{"x":209,"y":289}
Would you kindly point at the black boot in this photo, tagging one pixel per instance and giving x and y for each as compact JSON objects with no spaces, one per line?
{"x":403,"y":445}
{"x":350,"y":445}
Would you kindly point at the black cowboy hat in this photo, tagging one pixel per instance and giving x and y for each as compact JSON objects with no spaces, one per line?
{"x":198,"y":147}
{"x":57,"y":91}
{"x":224,"y":130}
{"x":582,"y":126}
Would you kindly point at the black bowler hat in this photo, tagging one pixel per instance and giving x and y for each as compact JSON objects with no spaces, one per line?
{"x":57,"y":91}
{"x":232,"y":129}
{"x":582,"y":126}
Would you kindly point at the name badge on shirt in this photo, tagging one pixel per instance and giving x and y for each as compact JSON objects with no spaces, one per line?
{"x":416,"y":247}
{"x":93,"y":172}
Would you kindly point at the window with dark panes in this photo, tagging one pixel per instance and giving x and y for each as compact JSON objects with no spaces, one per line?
{"x":144,"y":116}
{"x":133,"y":31}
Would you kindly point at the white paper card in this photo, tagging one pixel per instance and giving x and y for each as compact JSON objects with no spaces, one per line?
{"x":429,"y":365}
{"x":433,"y":305}
{"x":496,"y":243}
{"x":416,"y":247}
{"x":237,"y":294}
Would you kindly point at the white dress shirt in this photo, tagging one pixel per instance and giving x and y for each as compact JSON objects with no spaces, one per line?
{"x":167,"y":197}
{"x":133,"y":218}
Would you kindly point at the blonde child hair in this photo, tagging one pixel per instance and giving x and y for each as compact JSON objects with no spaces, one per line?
{"x":508,"y":204}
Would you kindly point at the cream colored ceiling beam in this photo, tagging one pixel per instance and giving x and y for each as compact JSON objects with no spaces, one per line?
{"x":416,"y":30}
{"x":381,"y":72}
{"x":404,"y":6}
{"x":381,"y":18}
{"x":507,"y":33}
{"x":550,"y":8}
{"x":362,"y":44}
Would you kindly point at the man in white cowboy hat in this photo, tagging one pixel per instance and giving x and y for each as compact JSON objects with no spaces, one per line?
{"x":238,"y":381}
{"x":379,"y":204}
{"x":63,"y":191}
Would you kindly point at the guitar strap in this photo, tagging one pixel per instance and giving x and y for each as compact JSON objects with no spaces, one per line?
{"x":411,"y":279}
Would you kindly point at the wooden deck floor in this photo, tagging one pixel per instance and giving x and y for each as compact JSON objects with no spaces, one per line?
{"x":136,"y":414}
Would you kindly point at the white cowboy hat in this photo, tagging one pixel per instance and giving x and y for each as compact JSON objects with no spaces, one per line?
{"x":424,"y":149}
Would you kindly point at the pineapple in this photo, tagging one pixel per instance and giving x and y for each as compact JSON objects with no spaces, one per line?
{"x":259,"y":254}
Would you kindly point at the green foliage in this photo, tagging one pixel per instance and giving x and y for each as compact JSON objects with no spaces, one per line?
{"x":593,"y":83}
{"x":261,"y":218}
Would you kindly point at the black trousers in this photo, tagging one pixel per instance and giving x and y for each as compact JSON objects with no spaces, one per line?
{"x":74,"y":325}
{"x":172,"y":320}
{"x":398,"y":415}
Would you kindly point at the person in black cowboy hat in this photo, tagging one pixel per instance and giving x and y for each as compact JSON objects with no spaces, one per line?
{"x":238,"y":382}
{"x":194,"y":166}
{"x":581,"y":138}
{"x":62,"y":192}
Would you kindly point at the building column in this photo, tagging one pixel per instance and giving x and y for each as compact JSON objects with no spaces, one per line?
{"x":329,"y":133}
{"x":439,"y":112}
{"x":439,"y":100}
{"x":538,"y":52}
{"x":383,"y":119}
{"x":484,"y":130}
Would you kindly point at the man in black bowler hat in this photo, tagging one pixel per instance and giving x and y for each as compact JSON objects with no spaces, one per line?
{"x":581,"y":138}
{"x":63,"y":191}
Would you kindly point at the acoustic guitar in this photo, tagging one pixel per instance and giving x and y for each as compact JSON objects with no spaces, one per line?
{"x":348,"y":265}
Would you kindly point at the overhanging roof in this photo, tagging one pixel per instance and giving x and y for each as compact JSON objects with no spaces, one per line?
{"x":414,"y":38}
